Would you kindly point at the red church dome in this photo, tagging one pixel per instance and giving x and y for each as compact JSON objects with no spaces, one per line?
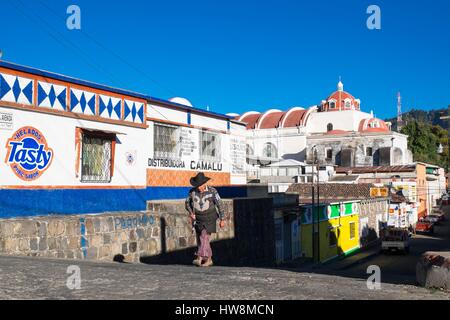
{"x":373,"y":125}
{"x":340,"y":100}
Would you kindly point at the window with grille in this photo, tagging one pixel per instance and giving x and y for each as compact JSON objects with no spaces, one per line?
{"x":165,"y":141}
{"x":209,"y":146}
{"x":352,"y":230}
{"x":96,"y":157}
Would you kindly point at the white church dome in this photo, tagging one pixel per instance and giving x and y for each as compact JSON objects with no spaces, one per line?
{"x":182,"y":101}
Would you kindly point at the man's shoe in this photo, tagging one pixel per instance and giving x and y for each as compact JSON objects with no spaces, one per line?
{"x":207,"y":263}
{"x":197,"y":262}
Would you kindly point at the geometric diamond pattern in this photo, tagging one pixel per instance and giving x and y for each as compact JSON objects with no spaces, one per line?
{"x":110,"y":107}
{"x":82,"y":101}
{"x":52,"y":96}
{"x":16,"y":89}
{"x":133,"y":111}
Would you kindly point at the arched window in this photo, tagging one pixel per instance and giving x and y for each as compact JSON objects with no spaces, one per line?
{"x":329,"y":127}
{"x":348,"y":104}
{"x":270,"y":151}
{"x":332,"y":105}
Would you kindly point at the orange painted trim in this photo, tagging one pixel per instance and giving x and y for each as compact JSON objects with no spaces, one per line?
{"x":70,"y":114}
{"x":77,"y":151}
{"x":122,"y":113}
{"x":97,"y":105}
{"x":157,"y":177}
{"x":69,"y":187}
{"x":67,"y":99}
{"x":35,"y":93}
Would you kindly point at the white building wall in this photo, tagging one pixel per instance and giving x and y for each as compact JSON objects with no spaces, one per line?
{"x":208,"y":122}
{"x":347,"y":120}
{"x":59,"y":133}
{"x":166,"y":114}
{"x":289,"y":142}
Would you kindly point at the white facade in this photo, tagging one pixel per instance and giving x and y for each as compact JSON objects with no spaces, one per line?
{"x":337,"y":130}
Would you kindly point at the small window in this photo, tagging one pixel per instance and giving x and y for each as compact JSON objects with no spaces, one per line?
{"x":329,"y":127}
{"x":369,"y":152}
{"x":332,"y":105}
{"x":332,"y":238}
{"x":209,"y":146}
{"x":374,"y":124}
{"x":97,"y":157}
{"x":352,"y":230}
{"x":348,"y":104}
{"x":166,"y":139}
{"x":270,"y":151}
{"x":329,"y":154}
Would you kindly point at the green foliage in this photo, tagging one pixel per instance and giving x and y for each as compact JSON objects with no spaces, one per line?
{"x":432,"y":117}
{"x":424,"y":139}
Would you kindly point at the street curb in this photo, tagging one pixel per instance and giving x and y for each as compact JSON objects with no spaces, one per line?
{"x":360,"y":261}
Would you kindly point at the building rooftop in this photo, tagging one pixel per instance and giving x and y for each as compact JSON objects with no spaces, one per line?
{"x":346,"y":178}
{"x":332,"y":191}
{"x":375,"y":169}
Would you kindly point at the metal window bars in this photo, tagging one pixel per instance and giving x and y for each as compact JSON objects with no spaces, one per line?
{"x":210,"y":146}
{"x":166,"y":141}
{"x":96,"y":159}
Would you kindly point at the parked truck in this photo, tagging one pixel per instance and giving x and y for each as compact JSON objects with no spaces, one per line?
{"x":395,"y":239}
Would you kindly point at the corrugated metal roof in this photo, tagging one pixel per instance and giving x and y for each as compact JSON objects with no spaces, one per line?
{"x":359,"y":170}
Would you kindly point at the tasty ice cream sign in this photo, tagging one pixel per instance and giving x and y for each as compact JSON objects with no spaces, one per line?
{"x":28,"y":153}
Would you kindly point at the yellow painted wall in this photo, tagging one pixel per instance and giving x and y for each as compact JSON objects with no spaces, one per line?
{"x":345,"y":243}
{"x":341,"y":226}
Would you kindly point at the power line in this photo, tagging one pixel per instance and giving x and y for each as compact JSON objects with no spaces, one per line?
{"x":84,"y":55}
{"x":87,"y":35}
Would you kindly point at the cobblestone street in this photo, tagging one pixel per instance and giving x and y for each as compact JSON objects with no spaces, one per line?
{"x":39,"y":278}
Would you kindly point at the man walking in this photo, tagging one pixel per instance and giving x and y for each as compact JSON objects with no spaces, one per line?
{"x":204,"y":206}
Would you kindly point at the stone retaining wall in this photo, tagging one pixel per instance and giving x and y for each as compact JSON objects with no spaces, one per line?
{"x":433,"y":270}
{"x":127,"y":236}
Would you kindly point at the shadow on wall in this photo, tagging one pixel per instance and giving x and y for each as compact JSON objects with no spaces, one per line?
{"x":299,"y":156}
{"x":252,"y":245}
{"x":368,"y":236}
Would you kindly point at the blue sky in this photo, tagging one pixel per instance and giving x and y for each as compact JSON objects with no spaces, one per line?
{"x":241,"y":55}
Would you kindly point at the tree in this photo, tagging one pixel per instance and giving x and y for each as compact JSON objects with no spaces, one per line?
{"x":424,"y":140}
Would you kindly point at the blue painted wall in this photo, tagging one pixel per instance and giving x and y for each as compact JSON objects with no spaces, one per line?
{"x":23,"y":203}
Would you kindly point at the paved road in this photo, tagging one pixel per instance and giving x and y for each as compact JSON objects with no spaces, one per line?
{"x":400,"y":268}
{"x":40,"y":278}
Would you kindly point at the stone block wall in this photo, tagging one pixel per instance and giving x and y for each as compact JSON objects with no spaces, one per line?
{"x":126,"y":236}
{"x":433,"y":270}
{"x":162,"y":234}
{"x":374,"y":211}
